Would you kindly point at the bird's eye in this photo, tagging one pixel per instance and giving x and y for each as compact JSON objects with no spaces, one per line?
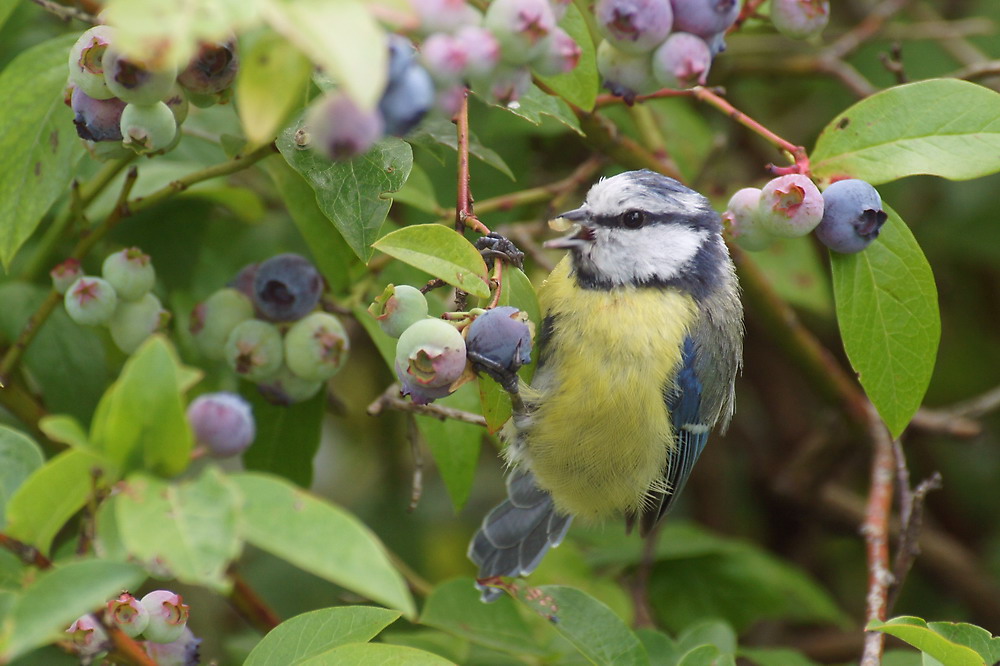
{"x":633,"y":219}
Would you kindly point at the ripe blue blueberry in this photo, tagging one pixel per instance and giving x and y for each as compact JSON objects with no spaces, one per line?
{"x":254,"y":350}
{"x":286,"y":287}
{"x":168,"y":615}
{"x":634,"y":26}
{"x":65,"y":274}
{"x":852,"y":216}
{"x":134,"y":321}
{"x":741,"y":217}
{"x":430,"y":357}
{"x":130,"y":272}
{"x":790,"y":206}
{"x":222,"y":422}
{"x":180,"y":652}
{"x":682,"y":61}
{"x":212,"y":69}
{"x":406,"y":100}
{"x":705,"y":18}
{"x":86,"y":67}
{"x":521,"y":27}
{"x":625,"y":75}
{"x":243,"y":280}
{"x":800,"y":19}
{"x":214,"y":319}
{"x":316,"y":347}
{"x":561,"y":56}
{"x":401,"y":54}
{"x":397,"y":308}
{"x":90,"y":301}
{"x":498,"y":342}
{"x":96,"y":119}
{"x":128,"y":614}
{"x":134,"y":82}
{"x":148,"y":128}
{"x":340,"y":130}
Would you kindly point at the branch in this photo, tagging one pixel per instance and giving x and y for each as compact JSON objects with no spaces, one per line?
{"x":250,"y":606}
{"x":65,"y":12}
{"x":417,"y":487}
{"x":464,"y":215}
{"x":390,"y":399}
{"x":581,"y":175}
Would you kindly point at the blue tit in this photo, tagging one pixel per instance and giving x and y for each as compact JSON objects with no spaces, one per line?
{"x":639,"y":348}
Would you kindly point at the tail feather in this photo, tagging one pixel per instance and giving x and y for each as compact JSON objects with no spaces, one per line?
{"x":515,"y":536}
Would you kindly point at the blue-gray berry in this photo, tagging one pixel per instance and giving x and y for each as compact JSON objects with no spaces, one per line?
{"x":852,"y":216}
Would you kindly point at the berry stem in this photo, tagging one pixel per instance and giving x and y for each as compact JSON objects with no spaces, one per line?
{"x":498,"y":281}
{"x":465,"y":217}
{"x":251,"y":606}
{"x":798,"y":153}
{"x":390,"y":399}
{"x":611,"y":100}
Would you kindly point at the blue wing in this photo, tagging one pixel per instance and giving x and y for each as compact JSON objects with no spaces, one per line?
{"x":683,"y":399}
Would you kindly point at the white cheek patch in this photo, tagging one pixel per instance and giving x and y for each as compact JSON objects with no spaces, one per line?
{"x":654,"y":253}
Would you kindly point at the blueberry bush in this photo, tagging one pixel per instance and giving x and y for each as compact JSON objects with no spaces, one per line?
{"x":267,"y":266}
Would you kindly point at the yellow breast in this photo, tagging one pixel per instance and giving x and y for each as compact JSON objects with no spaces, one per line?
{"x":599,"y":439}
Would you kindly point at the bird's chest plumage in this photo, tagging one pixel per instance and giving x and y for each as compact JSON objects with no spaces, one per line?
{"x":600,"y":432}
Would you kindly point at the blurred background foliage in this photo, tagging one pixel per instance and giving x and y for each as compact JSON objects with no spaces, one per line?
{"x":766,"y":536}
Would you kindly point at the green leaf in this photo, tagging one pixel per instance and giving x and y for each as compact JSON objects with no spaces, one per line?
{"x":534,"y":104}
{"x":351,"y":193}
{"x":887,"y":310}
{"x":42,"y":612}
{"x":440,"y":251}
{"x":775,"y":657}
{"x":38,"y":145}
{"x":365,"y":654}
{"x":455,"y":444}
{"x":357,"y":59}
{"x":320,"y":538}
{"x":6,"y":7}
{"x":454,"y":606}
{"x":385,"y":344}
{"x":187,"y":530}
{"x":315,"y":633}
{"x":19,"y":457}
{"x":418,"y":191}
{"x":578,"y":87}
{"x":36,"y":513}
{"x":272,"y":81}
{"x":64,"y":429}
{"x":140,"y":422}
{"x":593,"y":628}
{"x":287,"y":437}
{"x":943,"y":127}
{"x":797,"y":273}
{"x":970,"y":635}
{"x":662,"y":649}
{"x":330,"y":251}
{"x":703,"y":655}
{"x":688,"y":136}
{"x":440,"y":131}
{"x":917,"y":633}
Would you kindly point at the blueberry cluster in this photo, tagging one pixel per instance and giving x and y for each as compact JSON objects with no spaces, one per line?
{"x":846,"y":217}
{"x":122,"y":299}
{"x":160,"y":618}
{"x":461,"y":48}
{"x":266,"y":327}
{"x":119,"y":102}
{"x":434,"y":356}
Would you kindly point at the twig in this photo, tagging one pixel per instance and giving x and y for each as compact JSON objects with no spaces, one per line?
{"x":66,"y":12}
{"x":581,"y":175}
{"x":977,"y":70}
{"x":640,"y":582}
{"x":464,"y":214}
{"x":748,"y":11}
{"x":611,"y":100}
{"x":390,"y":399}
{"x":250,"y":606}
{"x":893,"y":62}
{"x":27,"y":553}
{"x":958,"y":420}
{"x":874,"y":19}
{"x":127,"y":648}
{"x":876,"y":534}
{"x":417,"y":487}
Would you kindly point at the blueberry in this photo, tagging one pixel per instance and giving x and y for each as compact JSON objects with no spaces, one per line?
{"x":65,"y":274}
{"x":682,"y":61}
{"x":180,"y":652}
{"x":243,"y":281}
{"x":128,"y":614}
{"x":254,"y":349}
{"x":285,"y":388}
{"x":214,"y":319}
{"x":561,"y":56}
{"x":445,"y":57}
{"x":134,"y":82}
{"x":130,"y":272}
{"x":444,"y":15}
{"x":499,"y":342}
{"x":790,"y":206}
{"x":90,"y":301}
{"x":624,"y":74}
{"x":448,"y":101}
{"x":705,"y":18}
{"x":148,"y":128}
{"x":222,"y":422}
{"x":316,"y":347}
{"x":852,"y":216}
{"x":741,"y":216}
{"x":634,"y":26}
{"x":96,"y":119}
{"x":406,"y":100}
{"x":559,"y":8}
{"x":482,"y":51}
{"x":430,"y":357}
{"x":800,"y":19}
{"x":168,"y":615}
{"x":177,"y":101}
{"x":340,"y":130}
{"x":86,"y":67}
{"x":521,"y":27}
{"x":509,"y":83}
{"x":212,"y":69}
{"x":134,"y":321}
{"x":89,"y":638}
{"x":286,"y":287}
{"x":397,"y":308}
{"x":401,"y":54}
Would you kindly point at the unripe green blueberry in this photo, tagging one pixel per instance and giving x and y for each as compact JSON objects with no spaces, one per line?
{"x":65,"y":274}
{"x":790,"y":206}
{"x":168,"y":615}
{"x":624,"y":74}
{"x":316,"y":347}
{"x":214,"y":319}
{"x":521,"y":27}
{"x":397,"y":308}
{"x":128,"y":614}
{"x":446,"y":58}
{"x":130,"y":272}
{"x":90,"y":301}
{"x":800,"y":19}
{"x":134,"y":321}
{"x":180,"y":652}
{"x":134,"y":82}
{"x":148,"y":128}
{"x":430,"y":354}
{"x":482,"y":49}
{"x":444,"y":15}
{"x":178,"y":104}
{"x":286,"y":388}
{"x":682,"y":61}
{"x":507,"y":84}
{"x":86,"y":67}
{"x":212,"y":69}
{"x":634,"y":26}
{"x":222,"y":422}
{"x":88,"y":637}
{"x":561,"y":56}
{"x":741,"y":215}
{"x":254,"y":350}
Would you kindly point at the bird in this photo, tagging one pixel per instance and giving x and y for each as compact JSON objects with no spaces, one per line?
{"x":639,"y":347}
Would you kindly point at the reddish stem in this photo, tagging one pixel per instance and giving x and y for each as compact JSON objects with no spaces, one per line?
{"x":464,"y":215}
{"x":876,"y":533}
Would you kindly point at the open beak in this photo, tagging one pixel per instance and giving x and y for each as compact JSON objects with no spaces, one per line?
{"x":580,"y":233}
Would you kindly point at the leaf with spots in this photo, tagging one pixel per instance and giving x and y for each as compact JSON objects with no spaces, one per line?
{"x":440,"y":251}
{"x":39,"y":149}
